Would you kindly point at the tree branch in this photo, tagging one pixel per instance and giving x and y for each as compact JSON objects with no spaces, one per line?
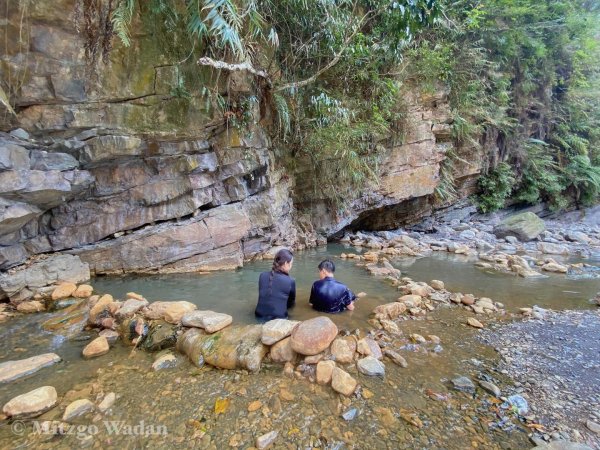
{"x":222,"y":65}
{"x":333,"y":62}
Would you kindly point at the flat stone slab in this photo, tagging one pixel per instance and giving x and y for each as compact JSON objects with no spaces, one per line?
{"x":13,"y":370}
{"x":275,"y":330}
{"x":210,"y":321}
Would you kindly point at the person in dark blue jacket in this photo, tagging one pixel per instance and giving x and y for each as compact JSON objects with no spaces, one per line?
{"x":276,"y":289}
{"x":329,"y":295}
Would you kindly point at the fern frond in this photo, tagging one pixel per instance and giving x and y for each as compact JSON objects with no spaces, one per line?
{"x":121,"y":20}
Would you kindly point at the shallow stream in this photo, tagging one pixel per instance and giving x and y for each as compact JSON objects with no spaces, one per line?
{"x":182,"y":399}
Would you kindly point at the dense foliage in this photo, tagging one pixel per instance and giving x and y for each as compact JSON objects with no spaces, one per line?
{"x":522,"y":76}
{"x":529,"y":71}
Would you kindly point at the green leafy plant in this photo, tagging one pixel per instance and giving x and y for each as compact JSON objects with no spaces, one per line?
{"x":495,"y":188}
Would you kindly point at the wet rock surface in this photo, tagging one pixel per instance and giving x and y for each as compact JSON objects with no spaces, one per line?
{"x":13,"y":370}
{"x":33,"y":403}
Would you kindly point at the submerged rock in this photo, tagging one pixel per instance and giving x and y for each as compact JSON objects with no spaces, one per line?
{"x":474,"y":322}
{"x":69,"y":321}
{"x":32,"y":404}
{"x":463,"y":384}
{"x":350,"y":414}
{"x":107,"y":402}
{"x":78,"y":408}
{"x":396,"y":357}
{"x":313,"y":336}
{"x":13,"y":370}
{"x":231,"y":348}
{"x":562,"y":445}
{"x":491,"y":388}
{"x":265,"y":440}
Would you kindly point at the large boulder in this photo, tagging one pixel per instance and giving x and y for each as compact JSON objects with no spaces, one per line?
{"x":12,"y":370}
{"x":32,"y":404}
{"x":313,"y":336}
{"x":525,"y":227}
{"x":230,"y":348}
{"x":22,"y":284}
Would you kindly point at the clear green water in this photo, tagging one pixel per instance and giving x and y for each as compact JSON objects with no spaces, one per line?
{"x":173,"y":397}
{"x":236,"y":292}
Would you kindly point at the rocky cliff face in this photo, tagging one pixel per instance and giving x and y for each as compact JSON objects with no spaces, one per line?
{"x":409,"y":173}
{"x":120,"y":172}
{"x":127,"y":176}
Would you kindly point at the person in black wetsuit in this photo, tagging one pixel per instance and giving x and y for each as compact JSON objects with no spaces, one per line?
{"x":276,"y":289}
{"x":329,"y":295}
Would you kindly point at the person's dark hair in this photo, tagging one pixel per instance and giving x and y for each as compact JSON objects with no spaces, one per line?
{"x":281,"y":257}
{"x":327,"y":265}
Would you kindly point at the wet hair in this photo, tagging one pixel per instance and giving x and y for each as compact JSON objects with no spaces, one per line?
{"x":281,"y":257}
{"x":327,"y":265}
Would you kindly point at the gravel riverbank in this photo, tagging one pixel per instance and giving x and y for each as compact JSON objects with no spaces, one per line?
{"x":555,"y":362}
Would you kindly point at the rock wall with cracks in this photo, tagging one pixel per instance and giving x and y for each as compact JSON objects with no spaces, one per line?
{"x":131,"y":178}
{"x":119,"y":171}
